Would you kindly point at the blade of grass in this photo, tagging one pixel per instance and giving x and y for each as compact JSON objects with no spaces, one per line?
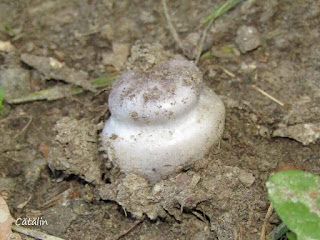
{"x":210,"y":19}
{"x":49,"y":94}
{"x":1,"y":101}
{"x":104,"y":81}
{"x":223,"y":8}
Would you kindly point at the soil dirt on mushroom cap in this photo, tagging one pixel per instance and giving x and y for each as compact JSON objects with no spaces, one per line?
{"x":167,"y":91}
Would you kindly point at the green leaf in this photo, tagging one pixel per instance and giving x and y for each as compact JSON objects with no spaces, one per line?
{"x":222,"y":9}
{"x":1,"y":101}
{"x":291,"y":236}
{"x":295,"y":196}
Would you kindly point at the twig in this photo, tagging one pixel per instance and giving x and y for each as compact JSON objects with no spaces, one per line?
{"x":268,"y":95}
{"x":23,"y":204}
{"x":198,"y":215}
{"x":90,"y":32}
{"x":170,"y":25}
{"x":268,"y":215}
{"x":24,"y":128}
{"x":54,"y":200}
{"x":131,"y":228}
{"x":203,"y":38}
{"x":34,"y":233}
{"x":227,"y":72}
{"x":237,"y":235}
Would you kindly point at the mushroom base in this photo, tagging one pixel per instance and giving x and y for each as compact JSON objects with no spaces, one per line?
{"x":157,"y":150}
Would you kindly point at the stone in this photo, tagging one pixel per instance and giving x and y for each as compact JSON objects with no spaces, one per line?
{"x":14,"y":82}
{"x":248,"y":38}
{"x":247,"y":179}
{"x":305,"y":133}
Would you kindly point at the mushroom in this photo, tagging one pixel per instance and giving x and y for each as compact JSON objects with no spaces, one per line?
{"x":161,"y":119}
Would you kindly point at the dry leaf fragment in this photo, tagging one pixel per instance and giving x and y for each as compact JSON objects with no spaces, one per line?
{"x":5,"y":220}
{"x":45,"y":149}
{"x":289,"y":166}
{"x":51,"y":68}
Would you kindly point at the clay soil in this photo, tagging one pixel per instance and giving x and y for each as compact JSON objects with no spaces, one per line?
{"x":82,"y":33}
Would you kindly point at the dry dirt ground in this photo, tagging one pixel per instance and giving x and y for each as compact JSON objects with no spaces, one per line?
{"x":221,"y":197}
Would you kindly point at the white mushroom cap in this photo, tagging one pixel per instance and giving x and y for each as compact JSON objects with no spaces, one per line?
{"x":169,"y":90}
{"x":162,"y":119}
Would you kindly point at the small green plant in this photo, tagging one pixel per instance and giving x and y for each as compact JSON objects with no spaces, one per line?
{"x":1,"y":101}
{"x":9,"y":29}
{"x":295,"y":195}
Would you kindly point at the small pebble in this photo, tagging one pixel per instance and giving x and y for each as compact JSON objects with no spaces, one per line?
{"x":59,"y":55}
{"x":246,"y":178}
{"x":147,"y":18}
{"x":6,"y":46}
{"x":248,"y":38}
{"x":29,"y":47}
